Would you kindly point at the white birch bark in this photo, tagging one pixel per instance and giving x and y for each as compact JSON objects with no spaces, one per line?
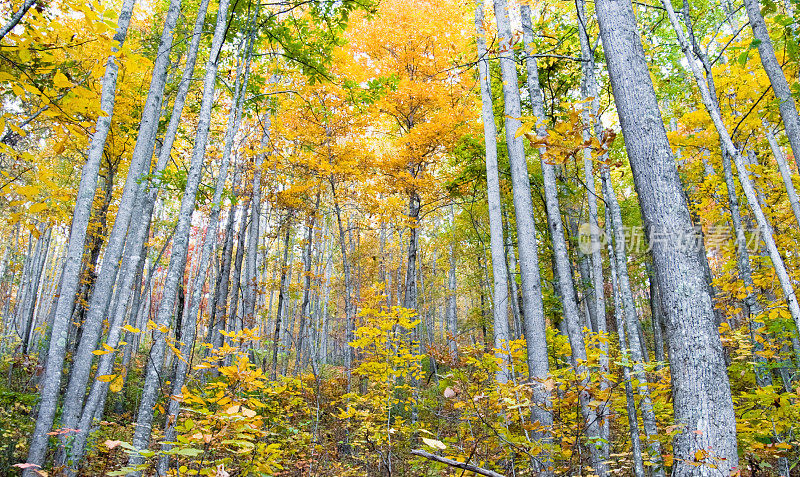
{"x":98,"y":304}
{"x":786,"y":103}
{"x":764,"y":226}
{"x":255,"y":215}
{"x":15,"y":18}
{"x":533,"y":308}
{"x":630,"y":400}
{"x":783,"y":167}
{"x":598,"y":449}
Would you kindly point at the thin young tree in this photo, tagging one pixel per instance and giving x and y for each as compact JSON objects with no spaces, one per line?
{"x":180,"y":244}
{"x":51,"y":379}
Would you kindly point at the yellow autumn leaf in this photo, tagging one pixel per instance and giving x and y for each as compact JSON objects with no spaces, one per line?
{"x":434,"y":443}
{"x":36,"y":208}
{"x":61,"y":81}
{"x":116,"y":384}
{"x":106,"y":378}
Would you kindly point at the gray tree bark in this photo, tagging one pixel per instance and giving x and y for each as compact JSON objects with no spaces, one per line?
{"x":15,"y":18}
{"x":189,"y":327}
{"x":712,"y":106}
{"x":786,"y":104}
{"x":783,"y":167}
{"x":51,"y":379}
{"x":630,"y":400}
{"x":635,"y":342}
{"x":134,"y":255}
{"x":452,"y":303}
{"x":180,"y":246}
{"x":701,"y":390}
{"x":281,"y":300}
{"x":598,"y":444}
{"x":103,"y":290}
{"x":497,"y":242}
{"x":250,"y":291}
{"x":533,"y":308}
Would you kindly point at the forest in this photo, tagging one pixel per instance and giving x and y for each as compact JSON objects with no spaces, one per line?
{"x":399,"y":238}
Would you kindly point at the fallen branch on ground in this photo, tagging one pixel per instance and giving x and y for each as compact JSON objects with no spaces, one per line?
{"x":457,"y":464}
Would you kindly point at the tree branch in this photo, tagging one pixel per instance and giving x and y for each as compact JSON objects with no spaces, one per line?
{"x":456,"y":464}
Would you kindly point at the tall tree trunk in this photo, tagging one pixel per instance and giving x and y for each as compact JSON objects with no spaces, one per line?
{"x":635,"y":342}
{"x":103,"y":290}
{"x":348,"y":290}
{"x":189,"y":325}
{"x":281,"y":299}
{"x":251,"y":286}
{"x":51,"y":378}
{"x":497,"y":243}
{"x":598,"y":447}
{"x":219,"y":314}
{"x":712,"y":106}
{"x":703,"y":405}
{"x":783,"y":167}
{"x":40,"y":257}
{"x":180,"y":246}
{"x":656,"y":319}
{"x":630,"y":402}
{"x":305,"y":315}
{"x":452,"y":299}
{"x":786,"y":104}
{"x":533,"y":307}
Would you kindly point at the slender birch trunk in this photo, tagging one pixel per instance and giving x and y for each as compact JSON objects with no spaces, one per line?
{"x":180,"y":246}
{"x":51,"y":378}
{"x":598,"y":444}
{"x":635,"y":344}
{"x":305,"y":315}
{"x":627,"y":377}
{"x":276,"y":340}
{"x":16,"y":17}
{"x":786,"y":103}
{"x":533,"y":307}
{"x":712,"y":106}
{"x":497,"y":243}
{"x":103,"y":290}
{"x":189,"y":327}
{"x":250,"y":291}
{"x":783,"y":167}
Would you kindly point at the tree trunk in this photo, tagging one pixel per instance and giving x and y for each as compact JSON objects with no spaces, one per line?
{"x":630,"y":402}
{"x":783,"y":167}
{"x":305,"y":315}
{"x":712,"y":106}
{"x":51,"y":377}
{"x":180,"y":246}
{"x":533,"y":307}
{"x":103,"y":290}
{"x":189,"y":325}
{"x":701,"y":390}
{"x":497,"y":243}
{"x":786,"y":104}
{"x":251,"y":286}
{"x":593,"y":421}
{"x":281,"y":299}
